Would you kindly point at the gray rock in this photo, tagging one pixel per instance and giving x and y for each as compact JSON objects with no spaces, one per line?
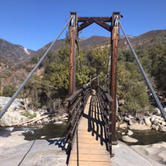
{"x":128,"y":120}
{"x":162,"y":128}
{"x":131,"y":117}
{"x":64,"y":115}
{"x":55,"y":119}
{"x":59,"y":122}
{"x":39,"y":122}
{"x":164,"y":123}
{"x":126,"y":138}
{"x":17,"y":103}
{"x":154,"y":127}
{"x":156,"y":122}
{"x":45,"y":120}
{"x":165,"y":110}
{"x":30,"y":111}
{"x":121,"y":102}
{"x":42,"y":153}
{"x":147,"y":121}
{"x":123,"y":126}
{"x":129,"y":133}
{"x":152,"y":119}
{"x":157,"y":111}
{"x":136,"y":126}
{"x":12,"y":118}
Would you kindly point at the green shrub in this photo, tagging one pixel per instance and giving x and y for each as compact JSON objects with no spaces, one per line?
{"x":28,"y":115}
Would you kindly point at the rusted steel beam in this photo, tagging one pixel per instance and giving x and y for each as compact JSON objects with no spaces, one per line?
{"x":84,"y":25}
{"x":105,"y":19}
{"x":104,"y":25}
{"x":113,"y":83}
{"x":72,"y":58}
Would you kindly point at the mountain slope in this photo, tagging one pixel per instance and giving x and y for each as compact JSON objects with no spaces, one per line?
{"x":149,"y":37}
{"x":12,"y":52}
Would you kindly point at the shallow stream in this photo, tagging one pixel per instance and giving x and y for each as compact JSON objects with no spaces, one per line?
{"x":58,"y":130}
{"x":32,"y":132}
{"x":144,"y":137}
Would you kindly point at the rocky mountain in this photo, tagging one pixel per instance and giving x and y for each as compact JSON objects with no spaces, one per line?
{"x":13,"y":53}
{"x":149,"y":37}
{"x":85,"y":43}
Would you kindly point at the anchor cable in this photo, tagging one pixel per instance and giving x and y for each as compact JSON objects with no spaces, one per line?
{"x":32,"y":72}
{"x":144,"y":74}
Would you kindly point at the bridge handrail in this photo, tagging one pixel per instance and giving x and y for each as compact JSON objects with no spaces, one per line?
{"x":109,"y":98}
{"x":74,"y":96}
{"x":105,"y":101}
{"x":76,"y":105}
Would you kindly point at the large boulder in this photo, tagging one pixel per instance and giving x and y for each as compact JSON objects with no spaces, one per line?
{"x":154,"y":127}
{"x":17,"y":103}
{"x":157,"y":111}
{"x":137,"y":126}
{"x":126,"y":138}
{"x":128,"y":120}
{"x":123,"y":126}
{"x":162,"y":128}
{"x":147,"y":121}
{"x":12,"y":118}
{"x":165,"y":110}
{"x":129,"y":133}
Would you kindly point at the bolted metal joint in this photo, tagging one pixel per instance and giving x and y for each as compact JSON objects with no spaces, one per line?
{"x":73,"y":16}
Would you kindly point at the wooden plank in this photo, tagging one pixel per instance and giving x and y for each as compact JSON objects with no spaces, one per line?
{"x":90,"y":163}
{"x":91,"y":152}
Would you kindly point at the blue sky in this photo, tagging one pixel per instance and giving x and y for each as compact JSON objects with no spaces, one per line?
{"x":34,"y":23}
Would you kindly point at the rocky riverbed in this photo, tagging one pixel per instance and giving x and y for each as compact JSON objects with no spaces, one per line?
{"x":14,"y":150}
{"x":140,"y":122}
{"x":19,"y":114}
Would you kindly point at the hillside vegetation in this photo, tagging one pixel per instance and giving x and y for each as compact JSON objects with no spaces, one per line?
{"x":51,"y":80}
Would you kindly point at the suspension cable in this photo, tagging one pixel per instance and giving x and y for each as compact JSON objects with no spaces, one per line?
{"x":108,"y":71}
{"x":32,"y":72}
{"x":92,"y":80}
{"x":144,"y":75}
{"x":79,"y":62}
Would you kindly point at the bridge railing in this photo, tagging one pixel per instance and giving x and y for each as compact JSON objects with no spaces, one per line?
{"x":105,"y":101}
{"x":76,"y":104}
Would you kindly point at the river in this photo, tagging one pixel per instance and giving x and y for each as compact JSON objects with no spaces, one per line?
{"x":58,"y":130}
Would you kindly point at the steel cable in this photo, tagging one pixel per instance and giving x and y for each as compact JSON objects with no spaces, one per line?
{"x":79,"y":62}
{"x":32,"y":72}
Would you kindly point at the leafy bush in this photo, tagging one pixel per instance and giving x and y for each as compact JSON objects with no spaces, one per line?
{"x":28,"y":115}
{"x":8,"y":90}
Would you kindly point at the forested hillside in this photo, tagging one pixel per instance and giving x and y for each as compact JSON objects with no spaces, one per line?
{"x":51,"y":79}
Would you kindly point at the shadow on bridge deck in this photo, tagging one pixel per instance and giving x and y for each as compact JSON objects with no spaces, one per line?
{"x":95,"y":122}
{"x":89,"y":146}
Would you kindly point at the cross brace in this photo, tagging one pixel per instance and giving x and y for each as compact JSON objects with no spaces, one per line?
{"x":98,"y":20}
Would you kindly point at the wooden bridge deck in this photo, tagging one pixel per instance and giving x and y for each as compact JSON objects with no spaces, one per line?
{"x":90,"y":141}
